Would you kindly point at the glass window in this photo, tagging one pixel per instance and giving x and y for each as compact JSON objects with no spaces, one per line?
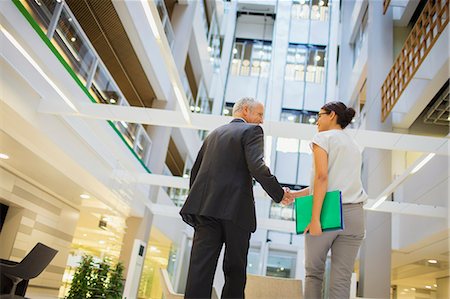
{"x":315,"y":68}
{"x":251,"y":58}
{"x":228,"y":109}
{"x":309,"y":57}
{"x":295,"y":63}
{"x":361,"y":35}
{"x":298,"y":116}
{"x":277,"y":211}
{"x":310,"y":10}
{"x":281,"y":264}
{"x":253,"y":261}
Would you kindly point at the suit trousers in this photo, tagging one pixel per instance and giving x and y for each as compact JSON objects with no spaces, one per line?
{"x":344,"y":247}
{"x":209,"y":237}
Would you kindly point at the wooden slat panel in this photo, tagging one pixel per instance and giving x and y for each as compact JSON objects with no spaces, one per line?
{"x":420,"y":41}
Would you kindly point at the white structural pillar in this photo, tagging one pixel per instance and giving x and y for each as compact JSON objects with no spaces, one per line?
{"x":133,"y":251}
{"x":375,"y":253}
{"x":182,"y":21}
{"x":280,"y":45}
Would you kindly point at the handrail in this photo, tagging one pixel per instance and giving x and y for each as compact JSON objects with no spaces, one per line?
{"x":432,"y":21}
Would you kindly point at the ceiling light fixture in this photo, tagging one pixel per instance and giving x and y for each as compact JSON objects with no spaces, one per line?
{"x":4,"y":156}
{"x":85,"y":196}
{"x":432,"y":261}
{"x":423,"y":162}
{"x":428,"y":287}
{"x":36,"y":66}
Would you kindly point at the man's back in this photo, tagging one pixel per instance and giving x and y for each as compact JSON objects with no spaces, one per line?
{"x":221,"y":179}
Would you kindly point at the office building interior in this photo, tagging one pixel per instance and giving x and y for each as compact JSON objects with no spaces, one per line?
{"x":105,"y":104}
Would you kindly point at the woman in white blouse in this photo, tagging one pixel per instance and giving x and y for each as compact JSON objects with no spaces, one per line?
{"x":337,"y":166}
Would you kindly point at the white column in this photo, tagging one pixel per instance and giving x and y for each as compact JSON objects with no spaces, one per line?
{"x":279,"y":52}
{"x":375,"y":254}
{"x":182,"y":21}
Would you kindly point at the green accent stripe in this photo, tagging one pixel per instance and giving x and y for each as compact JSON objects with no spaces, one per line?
{"x":49,"y":44}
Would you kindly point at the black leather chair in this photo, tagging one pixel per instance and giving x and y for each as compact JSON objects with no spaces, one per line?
{"x":30,"y":267}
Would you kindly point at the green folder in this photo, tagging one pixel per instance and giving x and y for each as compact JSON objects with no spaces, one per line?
{"x":330,"y":216}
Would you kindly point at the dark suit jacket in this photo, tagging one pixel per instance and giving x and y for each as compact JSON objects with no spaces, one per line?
{"x":221,"y":178}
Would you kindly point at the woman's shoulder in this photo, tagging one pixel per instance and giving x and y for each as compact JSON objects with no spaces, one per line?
{"x":327,"y":134}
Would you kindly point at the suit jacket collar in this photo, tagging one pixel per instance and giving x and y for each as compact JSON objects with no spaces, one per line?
{"x":238,"y":120}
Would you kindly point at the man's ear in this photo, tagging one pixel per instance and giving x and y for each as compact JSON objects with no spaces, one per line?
{"x":245,"y":110}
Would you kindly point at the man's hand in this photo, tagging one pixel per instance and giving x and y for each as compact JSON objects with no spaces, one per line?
{"x":288,"y":197}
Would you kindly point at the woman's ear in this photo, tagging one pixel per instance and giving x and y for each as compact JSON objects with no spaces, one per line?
{"x":332,"y":115}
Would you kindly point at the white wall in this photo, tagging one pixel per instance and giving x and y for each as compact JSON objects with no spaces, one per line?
{"x":429,"y":186}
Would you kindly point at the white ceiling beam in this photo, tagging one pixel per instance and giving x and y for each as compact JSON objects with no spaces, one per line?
{"x":406,"y":208}
{"x":180,"y":182}
{"x":152,"y":179}
{"x":289,"y":226}
{"x":167,"y":118}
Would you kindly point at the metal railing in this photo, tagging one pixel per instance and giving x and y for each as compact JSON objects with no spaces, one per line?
{"x":426,"y":31}
{"x":72,"y":47}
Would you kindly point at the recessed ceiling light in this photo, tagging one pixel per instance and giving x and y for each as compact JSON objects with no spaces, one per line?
{"x":85,"y":196}
{"x":112,"y":101}
{"x":435,"y":285}
{"x":432,"y":261}
{"x":428,"y":287}
{"x":73,"y":39}
{"x":84,"y":235}
{"x":101,"y":242}
{"x":4,"y":156}
{"x":413,"y":289}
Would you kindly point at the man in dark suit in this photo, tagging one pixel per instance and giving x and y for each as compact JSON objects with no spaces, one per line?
{"x":220,"y":205}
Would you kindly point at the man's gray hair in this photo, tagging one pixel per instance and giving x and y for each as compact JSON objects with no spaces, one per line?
{"x":239,"y":105}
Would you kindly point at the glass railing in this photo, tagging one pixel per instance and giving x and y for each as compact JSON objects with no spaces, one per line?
{"x":70,"y":44}
{"x":178,"y":195}
{"x":187,"y":89}
{"x":278,"y":211}
{"x":214,"y":43}
{"x":204,"y":17}
{"x":165,"y":20}
{"x":203,"y":103}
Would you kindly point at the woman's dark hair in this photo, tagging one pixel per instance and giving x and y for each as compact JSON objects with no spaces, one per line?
{"x":344,"y":114}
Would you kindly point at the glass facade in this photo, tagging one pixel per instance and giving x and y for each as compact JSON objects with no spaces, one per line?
{"x":316,"y":10}
{"x":251,"y":58}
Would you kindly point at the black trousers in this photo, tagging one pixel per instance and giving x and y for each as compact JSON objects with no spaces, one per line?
{"x":210,"y":234}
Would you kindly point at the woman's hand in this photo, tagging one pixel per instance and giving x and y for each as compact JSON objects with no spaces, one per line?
{"x":314,"y":228}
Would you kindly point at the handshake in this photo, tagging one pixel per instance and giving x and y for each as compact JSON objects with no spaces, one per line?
{"x":288,"y":197}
